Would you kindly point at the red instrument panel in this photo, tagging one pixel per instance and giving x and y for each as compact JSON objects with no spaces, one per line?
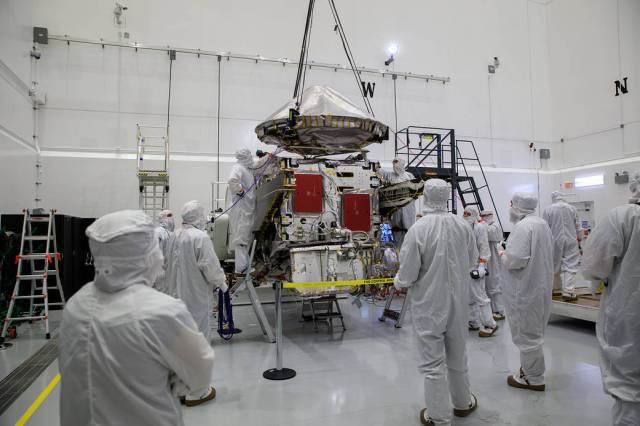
{"x":308,"y":196}
{"x":356,"y":211}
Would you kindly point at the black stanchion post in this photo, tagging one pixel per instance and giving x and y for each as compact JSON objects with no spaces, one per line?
{"x":279,"y":373}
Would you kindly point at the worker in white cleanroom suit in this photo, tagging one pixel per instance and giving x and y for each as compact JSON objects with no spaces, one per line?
{"x":563,"y":221}
{"x":121,"y":341}
{"x":404,"y":217}
{"x":528,"y":262}
{"x":241,"y":185}
{"x":435,"y":260}
{"x":163,"y":232}
{"x":612,"y":254}
{"x":193,"y":269}
{"x":493,"y":281}
{"x":634,"y":187}
{"x":480,"y":316}
{"x":166,"y":225}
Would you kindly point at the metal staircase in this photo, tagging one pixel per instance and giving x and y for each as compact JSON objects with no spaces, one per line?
{"x":434,"y":152}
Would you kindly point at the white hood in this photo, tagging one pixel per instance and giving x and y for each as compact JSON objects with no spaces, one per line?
{"x":125,"y":250}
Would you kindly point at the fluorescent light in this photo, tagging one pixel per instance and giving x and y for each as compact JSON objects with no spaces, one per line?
{"x":524,"y":188}
{"x":593,"y":180}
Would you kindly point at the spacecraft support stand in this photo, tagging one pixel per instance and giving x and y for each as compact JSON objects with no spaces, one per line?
{"x":255,"y":300}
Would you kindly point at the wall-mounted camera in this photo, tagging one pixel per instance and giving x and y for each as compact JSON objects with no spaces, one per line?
{"x":494,"y":66}
{"x":118,"y":12}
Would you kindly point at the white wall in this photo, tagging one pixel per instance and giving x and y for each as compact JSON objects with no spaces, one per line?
{"x":592,"y":43}
{"x":15,"y":106}
{"x":96,"y":96}
{"x":605,"y":197}
{"x":17,"y":152}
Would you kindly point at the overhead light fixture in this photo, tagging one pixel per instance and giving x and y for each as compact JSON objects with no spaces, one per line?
{"x":392,"y":50}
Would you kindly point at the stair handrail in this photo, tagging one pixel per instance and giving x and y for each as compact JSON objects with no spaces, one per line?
{"x":484,"y":177}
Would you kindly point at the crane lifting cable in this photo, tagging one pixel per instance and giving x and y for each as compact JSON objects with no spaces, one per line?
{"x":304,"y":56}
{"x":350,"y":58}
{"x":318,"y":120}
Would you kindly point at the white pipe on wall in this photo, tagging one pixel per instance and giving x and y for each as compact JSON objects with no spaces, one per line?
{"x":256,"y":58}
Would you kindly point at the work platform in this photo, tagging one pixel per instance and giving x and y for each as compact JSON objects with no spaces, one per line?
{"x":585,"y":308}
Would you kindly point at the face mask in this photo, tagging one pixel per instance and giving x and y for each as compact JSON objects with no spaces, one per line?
{"x":200,"y":224}
{"x":398,"y":169}
{"x":514,"y":217}
{"x":469,"y":219}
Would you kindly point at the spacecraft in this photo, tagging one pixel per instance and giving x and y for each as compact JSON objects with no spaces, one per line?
{"x":321,"y":204}
{"x":323,"y":123}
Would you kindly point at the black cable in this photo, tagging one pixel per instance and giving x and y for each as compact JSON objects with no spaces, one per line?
{"x":226,"y":327}
{"x":395,"y":104}
{"x":350,"y":57}
{"x":306,"y":60}
{"x":305,"y":39}
{"x":218,"y":114}
{"x":169,"y":99}
{"x":352,"y":65}
{"x":345,"y":42}
{"x":303,"y":52}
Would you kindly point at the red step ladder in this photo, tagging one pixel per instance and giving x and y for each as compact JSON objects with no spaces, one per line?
{"x":40,"y":250}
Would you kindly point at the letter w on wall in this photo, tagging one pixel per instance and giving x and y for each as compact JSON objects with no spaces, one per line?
{"x":368,"y":89}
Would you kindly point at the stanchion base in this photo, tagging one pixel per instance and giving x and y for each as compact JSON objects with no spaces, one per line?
{"x":275,"y":374}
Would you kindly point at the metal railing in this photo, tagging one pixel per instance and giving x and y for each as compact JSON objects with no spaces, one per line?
{"x":218,"y":202}
{"x":436,"y":151}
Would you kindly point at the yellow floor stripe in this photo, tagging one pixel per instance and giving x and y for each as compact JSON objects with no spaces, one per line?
{"x":39,"y":400}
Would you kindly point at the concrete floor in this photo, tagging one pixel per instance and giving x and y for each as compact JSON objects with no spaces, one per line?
{"x":31,"y":337}
{"x":367,"y":376}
